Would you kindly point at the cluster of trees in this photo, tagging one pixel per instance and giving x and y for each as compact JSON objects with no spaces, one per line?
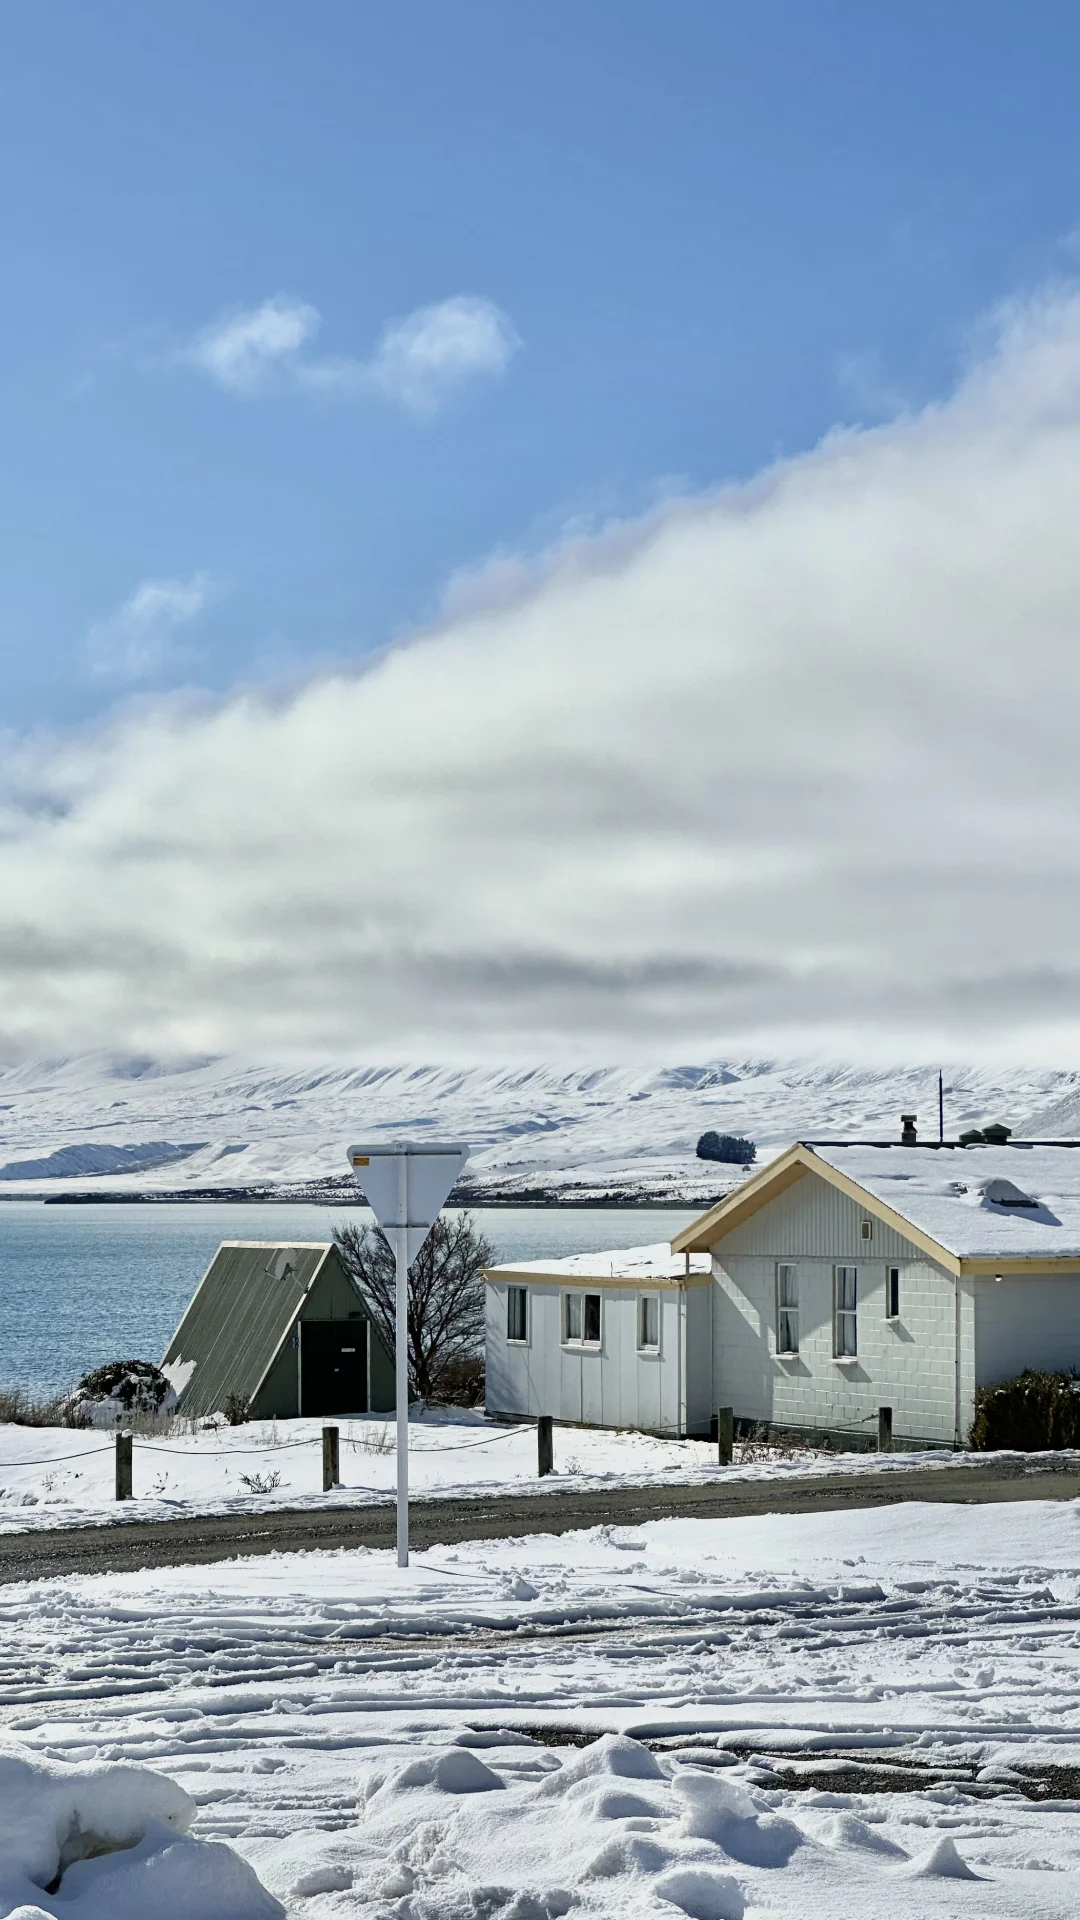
{"x":727,"y":1146}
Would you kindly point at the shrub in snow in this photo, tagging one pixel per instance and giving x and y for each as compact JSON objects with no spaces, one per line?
{"x":119,"y":1391}
{"x":110,"y":1842}
{"x":1033,"y":1412}
{"x":726,"y":1146}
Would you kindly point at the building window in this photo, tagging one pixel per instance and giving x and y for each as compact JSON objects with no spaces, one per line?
{"x":648,"y":1323}
{"x":581,"y":1319}
{"x":845,"y":1338}
{"x":892,"y":1293}
{"x":517,"y":1314}
{"x":787,"y":1309}
{"x":867,"y":1229}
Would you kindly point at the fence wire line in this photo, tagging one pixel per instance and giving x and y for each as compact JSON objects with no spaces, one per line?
{"x":270,"y":1446}
{"x":56,"y":1459}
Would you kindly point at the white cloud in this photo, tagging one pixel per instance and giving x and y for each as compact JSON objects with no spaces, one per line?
{"x":138,"y":639}
{"x":435,"y":350}
{"x":793,"y":762}
{"x":247,"y":351}
{"x":419,"y":362}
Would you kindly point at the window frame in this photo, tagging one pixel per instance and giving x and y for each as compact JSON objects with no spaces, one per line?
{"x":517,"y":1339}
{"x":644,"y":1301}
{"x":892,"y":1293}
{"x":786,"y":1310}
{"x":845,"y":1317}
{"x":578,"y":1341}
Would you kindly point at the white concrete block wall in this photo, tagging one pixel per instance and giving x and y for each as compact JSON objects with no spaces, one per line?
{"x":908,"y":1364}
{"x":1026,"y":1320}
{"x":612,"y":1387}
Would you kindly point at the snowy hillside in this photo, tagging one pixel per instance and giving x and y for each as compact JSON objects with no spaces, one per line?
{"x":98,"y":1123}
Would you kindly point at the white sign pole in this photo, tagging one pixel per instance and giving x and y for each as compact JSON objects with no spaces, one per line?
{"x":401,"y":1357}
{"x":405,"y":1183}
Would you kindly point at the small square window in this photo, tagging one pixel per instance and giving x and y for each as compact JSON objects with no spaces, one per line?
{"x":867,"y":1229}
{"x":648,"y":1337}
{"x":517,"y":1314}
{"x":892,"y":1293}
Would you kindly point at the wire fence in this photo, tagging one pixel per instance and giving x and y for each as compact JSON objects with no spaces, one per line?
{"x":773,"y":1438}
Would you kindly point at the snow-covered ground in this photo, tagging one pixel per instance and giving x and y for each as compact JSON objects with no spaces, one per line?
{"x":134,"y":1125}
{"x":51,"y":1476}
{"x":397,"y":1745}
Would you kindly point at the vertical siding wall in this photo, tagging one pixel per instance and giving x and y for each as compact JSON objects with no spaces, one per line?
{"x":907,"y":1364}
{"x":615,"y":1386}
{"x":1026,"y":1321}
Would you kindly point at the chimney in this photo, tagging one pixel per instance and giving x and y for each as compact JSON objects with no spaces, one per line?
{"x":909,"y":1137}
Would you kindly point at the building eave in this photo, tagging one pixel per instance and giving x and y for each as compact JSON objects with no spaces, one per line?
{"x":627,"y":1283}
{"x":702,"y":1235}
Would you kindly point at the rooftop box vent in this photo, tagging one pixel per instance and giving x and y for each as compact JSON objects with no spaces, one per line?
{"x":1002,"y":1193}
{"x":994,"y":1135}
{"x":908,"y":1136}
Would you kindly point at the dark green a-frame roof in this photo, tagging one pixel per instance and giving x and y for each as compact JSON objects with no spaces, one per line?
{"x":235,"y":1337}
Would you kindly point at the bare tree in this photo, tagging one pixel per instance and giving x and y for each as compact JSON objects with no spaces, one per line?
{"x":446,"y":1295}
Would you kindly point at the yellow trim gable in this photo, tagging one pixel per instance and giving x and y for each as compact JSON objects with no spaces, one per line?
{"x":730,"y":1212}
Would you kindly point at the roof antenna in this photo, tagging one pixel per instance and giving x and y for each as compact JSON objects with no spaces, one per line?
{"x":940,"y":1109}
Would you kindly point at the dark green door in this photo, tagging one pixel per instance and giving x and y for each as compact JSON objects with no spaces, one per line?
{"x":333,"y":1366}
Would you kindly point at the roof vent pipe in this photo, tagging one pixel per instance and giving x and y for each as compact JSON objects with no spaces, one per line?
{"x":909,"y":1137}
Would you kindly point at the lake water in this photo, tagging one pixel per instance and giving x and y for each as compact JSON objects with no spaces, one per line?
{"x":80,"y":1285}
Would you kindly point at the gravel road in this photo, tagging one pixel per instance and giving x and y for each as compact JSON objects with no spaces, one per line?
{"x":135,"y":1544}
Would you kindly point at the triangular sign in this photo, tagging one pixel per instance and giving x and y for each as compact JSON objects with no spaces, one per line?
{"x":405,"y":1183}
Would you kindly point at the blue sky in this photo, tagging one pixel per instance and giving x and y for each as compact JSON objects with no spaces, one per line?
{"x":714,"y":230}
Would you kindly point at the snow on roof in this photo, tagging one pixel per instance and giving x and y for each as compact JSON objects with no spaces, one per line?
{"x":625,"y":1263}
{"x":961,"y":1195}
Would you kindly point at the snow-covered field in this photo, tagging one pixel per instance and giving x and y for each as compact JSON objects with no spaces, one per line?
{"x":397,"y":1745}
{"x":134,"y":1125}
{"x":51,"y":1476}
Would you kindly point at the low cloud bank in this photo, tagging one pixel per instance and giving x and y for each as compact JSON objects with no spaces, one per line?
{"x":794,"y":761}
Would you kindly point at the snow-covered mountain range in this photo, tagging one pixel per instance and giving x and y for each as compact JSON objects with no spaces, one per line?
{"x":126,"y":1125}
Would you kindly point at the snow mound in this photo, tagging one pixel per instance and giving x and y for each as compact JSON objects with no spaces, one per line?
{"x":614,"y":1753}
{"x":458,"y":1771}
{"x":702,"y":1894}
{"x":110,"y":1842}
{"x":942,"y":1861}
{"x":717,"y":1809}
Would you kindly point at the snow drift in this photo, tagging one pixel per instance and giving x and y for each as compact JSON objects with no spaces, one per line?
{"x":111,"y":1842}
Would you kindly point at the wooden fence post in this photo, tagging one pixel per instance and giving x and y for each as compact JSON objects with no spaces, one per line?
{"x":545,"y":1445}
{"x":884,"y":1429}
{"x":725,"y":1434}
{"x":331,"y":1475}
{"x":123,"y":1466}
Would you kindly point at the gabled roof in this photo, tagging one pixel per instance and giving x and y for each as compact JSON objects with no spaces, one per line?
{"x":239,"y":1317}
{"x":940,"y":1198}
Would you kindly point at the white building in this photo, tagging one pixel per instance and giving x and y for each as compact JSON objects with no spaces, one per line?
{"x":839,"y":1279}
{"x":606,"y":1339}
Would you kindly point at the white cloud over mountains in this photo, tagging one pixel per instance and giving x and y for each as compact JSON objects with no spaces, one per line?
{"x":796,"y":761}
{"x":419,"y":362}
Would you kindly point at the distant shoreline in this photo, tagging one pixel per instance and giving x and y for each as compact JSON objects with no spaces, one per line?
{"x":550,"y":1198}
